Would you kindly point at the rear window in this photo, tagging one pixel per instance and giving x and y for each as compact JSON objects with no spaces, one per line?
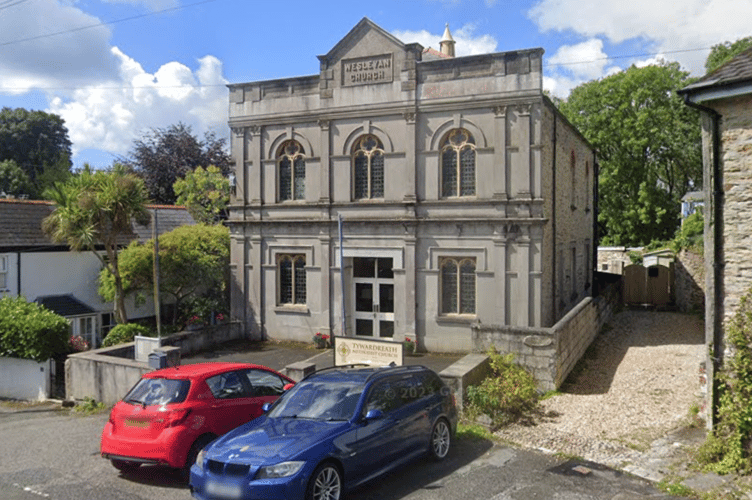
{"x":158,"y":391}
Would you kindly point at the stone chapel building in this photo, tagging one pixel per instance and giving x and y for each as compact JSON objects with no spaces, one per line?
{"x":464,"y":196}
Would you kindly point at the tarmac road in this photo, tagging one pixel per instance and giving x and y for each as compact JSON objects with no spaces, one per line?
{"x":50,"y":453}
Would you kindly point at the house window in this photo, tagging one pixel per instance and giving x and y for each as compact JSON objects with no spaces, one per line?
{"x":368,"y":168}
{"x":457,"y":286}
{"x":85,"y":327}
{"x":292,"y":279}
{"x":458,"y":164}
{"x":291,"y":164}
{"x":3,"y":272}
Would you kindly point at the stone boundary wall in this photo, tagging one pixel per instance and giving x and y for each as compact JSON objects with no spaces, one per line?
{"x":551,"y":353}
{"x":106,"y":374}
{"x":689,"y":282}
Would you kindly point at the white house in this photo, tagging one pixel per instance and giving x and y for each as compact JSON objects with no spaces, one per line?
{"x":62,"y":280}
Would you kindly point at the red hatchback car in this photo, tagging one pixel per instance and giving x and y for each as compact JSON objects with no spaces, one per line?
{"x":171,"y":414}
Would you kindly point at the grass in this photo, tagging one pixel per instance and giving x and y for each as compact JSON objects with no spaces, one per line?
{"x":89,"y":406}
{"x":473,"y":432}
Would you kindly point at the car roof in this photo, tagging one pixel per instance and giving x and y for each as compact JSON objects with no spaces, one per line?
{"x":360,"y":374}
{"x":199,"y":370}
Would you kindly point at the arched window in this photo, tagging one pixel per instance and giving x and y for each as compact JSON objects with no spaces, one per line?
{"x":291,"y":164}
{"x":458,"y":164}
{"x":292,"y":279}
{"x":368,"y":168}
{"x":457,"y":286}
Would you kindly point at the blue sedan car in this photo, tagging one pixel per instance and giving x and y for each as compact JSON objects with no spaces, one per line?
{"x":333,"y":431}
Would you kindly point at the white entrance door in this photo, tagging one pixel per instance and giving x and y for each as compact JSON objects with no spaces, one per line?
{"x":373,"y":280}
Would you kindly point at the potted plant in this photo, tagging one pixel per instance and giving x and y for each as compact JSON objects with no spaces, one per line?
{"x":409,"y":346}
{"x":321,"y":341}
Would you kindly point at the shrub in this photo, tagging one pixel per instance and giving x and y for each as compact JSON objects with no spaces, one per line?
{"x":507,"y":394}
{"x":121,"y":334}
{"x":727,"y":448}
{"x":29,"y":331}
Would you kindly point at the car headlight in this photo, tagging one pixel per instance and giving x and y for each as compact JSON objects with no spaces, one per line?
{"x":200,"y":459}
{"x":283,"y":469}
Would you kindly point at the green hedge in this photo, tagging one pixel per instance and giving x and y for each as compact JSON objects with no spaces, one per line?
{"x":121,"y":334}
{"x":29,"y":331}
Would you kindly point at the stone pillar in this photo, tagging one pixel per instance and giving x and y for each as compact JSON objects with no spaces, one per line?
{"x":500,"y":153}
{"x":253,"y":165}
{"x":500,"y":275}
{"x":326,"y":166}
{"x":410,"y":285}
{"x":409,"y":194}
{"x":238,"y":154}
{"x":325,"y":278}
{"x":523,"y":244}
{"x":256,"y":287}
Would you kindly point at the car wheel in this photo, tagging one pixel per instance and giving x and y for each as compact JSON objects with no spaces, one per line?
{"x":124,"y":465}
{"x":325,"y":483}
{"x":197,"y":446}
{"x":441,"y":439}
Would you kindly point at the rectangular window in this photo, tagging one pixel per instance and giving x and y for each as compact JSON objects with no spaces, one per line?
{"x":3,"y":272}
{"x":457,"y":285}
{"x":291,"y":278}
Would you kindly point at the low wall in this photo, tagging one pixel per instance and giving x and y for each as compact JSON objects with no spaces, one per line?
{"x":24,"y":379}
{"x":107,"y":374}
{"x":550,"y":354}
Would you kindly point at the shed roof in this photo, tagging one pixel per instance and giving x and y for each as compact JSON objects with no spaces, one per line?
{"x":65,"y":305}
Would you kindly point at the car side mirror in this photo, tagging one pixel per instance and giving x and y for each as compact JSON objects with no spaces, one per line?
{"x":266,"y":406}
{"x":287,"y":387}
{"x":374,"y":415}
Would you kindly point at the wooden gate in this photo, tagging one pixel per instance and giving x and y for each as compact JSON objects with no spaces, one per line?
{"x":647,"y":286}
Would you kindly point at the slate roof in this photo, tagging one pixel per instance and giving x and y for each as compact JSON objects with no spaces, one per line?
{"x":65,"y":305}
{"x":736,"y":71}
{"x":21,"y":224}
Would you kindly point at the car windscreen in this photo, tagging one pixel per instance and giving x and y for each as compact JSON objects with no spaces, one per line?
{"x":319,"y":400}
{"x":158,"y":391}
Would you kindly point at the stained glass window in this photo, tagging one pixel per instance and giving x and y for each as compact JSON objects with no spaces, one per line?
{"x":292,"y":279}
{"x":457,"y":286}
{"x":291,"y":161}
{"x":458,"y":164}
{"x":368,"y":168}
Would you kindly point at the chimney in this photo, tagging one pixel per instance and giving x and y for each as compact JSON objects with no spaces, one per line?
{"x":447,"y":43}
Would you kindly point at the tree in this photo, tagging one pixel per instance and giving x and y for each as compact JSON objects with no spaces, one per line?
{"x":94,"y":209}
{"x":723,"y":52}
{"x":165,"y":155}
{"x":648,"y":145}
{"x":13,"y":180}
{"x":29,"y":331}
{"x":205,"y":193}
{"x":38,"y":142}
{"x":192,"y":260}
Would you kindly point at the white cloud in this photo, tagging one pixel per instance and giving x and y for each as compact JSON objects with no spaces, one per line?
{"x":110,"y":116}
{"x":152,"y":5}
{"x":572,"y":65}
{"x":467,"y":42}
{"x":33,"y":56}
{"x":666,"y":26}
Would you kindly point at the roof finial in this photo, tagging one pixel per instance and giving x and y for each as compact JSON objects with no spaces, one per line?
{"x":447,"y":43}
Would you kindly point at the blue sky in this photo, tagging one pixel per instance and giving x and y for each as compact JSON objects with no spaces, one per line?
{"x":113,"y":69}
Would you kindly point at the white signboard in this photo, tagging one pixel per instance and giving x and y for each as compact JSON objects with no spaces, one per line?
{"x":349,"y":350}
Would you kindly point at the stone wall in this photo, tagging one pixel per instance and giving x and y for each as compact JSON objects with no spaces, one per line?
{"x":689,"y":282}
{"x":108,"y":373}
{"x":550,"y":354}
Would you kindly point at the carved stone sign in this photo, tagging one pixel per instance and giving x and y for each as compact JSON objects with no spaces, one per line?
{"x":367,"y":70}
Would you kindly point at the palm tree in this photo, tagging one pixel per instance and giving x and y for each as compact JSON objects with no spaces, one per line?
{"x":94,"y":209}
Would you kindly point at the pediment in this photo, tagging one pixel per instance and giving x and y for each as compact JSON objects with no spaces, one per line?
{"x":365,"y":40}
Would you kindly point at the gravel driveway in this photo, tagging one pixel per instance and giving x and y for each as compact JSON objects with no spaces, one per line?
{"x":637,"y":382}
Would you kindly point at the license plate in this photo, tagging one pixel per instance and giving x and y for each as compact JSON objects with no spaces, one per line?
{"x":223,"y":490}
{"x":136,"y":423}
